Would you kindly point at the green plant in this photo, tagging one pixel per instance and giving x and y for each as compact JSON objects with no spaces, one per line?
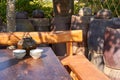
{"x":47,"y":7}
{"x":28,"y":6}
{"x":96,"y":5}
{"x":3,"y":10}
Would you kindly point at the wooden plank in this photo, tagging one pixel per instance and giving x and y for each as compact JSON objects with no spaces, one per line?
{"x":84,"y":69}
{"x":42,"y":37}
{"x":76,"y":58}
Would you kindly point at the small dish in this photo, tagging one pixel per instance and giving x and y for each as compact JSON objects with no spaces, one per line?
{"x":19,"y":53}
{"x":36,"y":53}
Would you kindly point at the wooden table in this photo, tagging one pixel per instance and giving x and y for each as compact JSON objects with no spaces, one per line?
{"x":48,"y":67}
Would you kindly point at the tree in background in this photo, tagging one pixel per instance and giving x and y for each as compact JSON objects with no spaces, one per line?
{"x":63,"y":7}
{"x":11,"y":15}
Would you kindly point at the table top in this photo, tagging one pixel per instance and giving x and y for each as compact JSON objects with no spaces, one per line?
{"x":47,"y":67}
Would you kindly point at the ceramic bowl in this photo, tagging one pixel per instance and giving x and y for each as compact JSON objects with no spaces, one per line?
{"x":19,"y":53}
{"x":36,"y":53}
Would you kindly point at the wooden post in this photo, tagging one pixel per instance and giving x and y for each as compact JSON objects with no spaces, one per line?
{"x":69,"y":49}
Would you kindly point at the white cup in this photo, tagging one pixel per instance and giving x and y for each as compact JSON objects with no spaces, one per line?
{"x":19,"y":53}
{"x":36,"y":53}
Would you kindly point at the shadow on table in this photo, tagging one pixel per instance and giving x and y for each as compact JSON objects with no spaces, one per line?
{"x":8,"y":63}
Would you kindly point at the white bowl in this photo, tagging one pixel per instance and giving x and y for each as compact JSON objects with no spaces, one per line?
{"x":36,"y":53}
{"x":19,"y":53}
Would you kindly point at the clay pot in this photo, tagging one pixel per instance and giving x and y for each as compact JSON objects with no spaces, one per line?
{"x":104,"y":14}
{"x":38,"y":14}
{"x":24,"y":25}
{"x":85,"y":12}
{"x":22,"y":15}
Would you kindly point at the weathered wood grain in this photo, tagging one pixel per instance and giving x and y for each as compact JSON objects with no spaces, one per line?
{"x":42,"y":37}
{"x":83,"y":69}
{"x":48,"y":67}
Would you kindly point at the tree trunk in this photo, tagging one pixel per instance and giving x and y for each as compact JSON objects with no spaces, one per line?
{"x":11,"y":15}
{"x":63,"y":10}
{"x":63,"y":7}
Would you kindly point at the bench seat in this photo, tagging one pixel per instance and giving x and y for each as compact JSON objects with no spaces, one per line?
{"x":83,"y":69}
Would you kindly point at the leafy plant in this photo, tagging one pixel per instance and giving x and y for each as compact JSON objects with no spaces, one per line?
{"x":28,"y":6}
{"x":3,"y":10}
{"x":47,"y":7}
{"x":96,"y":5}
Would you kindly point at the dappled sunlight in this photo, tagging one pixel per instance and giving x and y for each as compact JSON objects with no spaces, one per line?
{"x":112,"y":47}
{"x":58,"y":8}
{"x":63,"y":7}
{"x":42,"y":37}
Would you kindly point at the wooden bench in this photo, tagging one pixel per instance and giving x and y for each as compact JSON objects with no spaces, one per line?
{"x":83,"y":69}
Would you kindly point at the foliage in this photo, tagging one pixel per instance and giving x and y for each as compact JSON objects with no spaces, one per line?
{"x":3,"y":9}
{"x":96,"y":5}
{"x":46,"y":6}
{"x":28,"y":6}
